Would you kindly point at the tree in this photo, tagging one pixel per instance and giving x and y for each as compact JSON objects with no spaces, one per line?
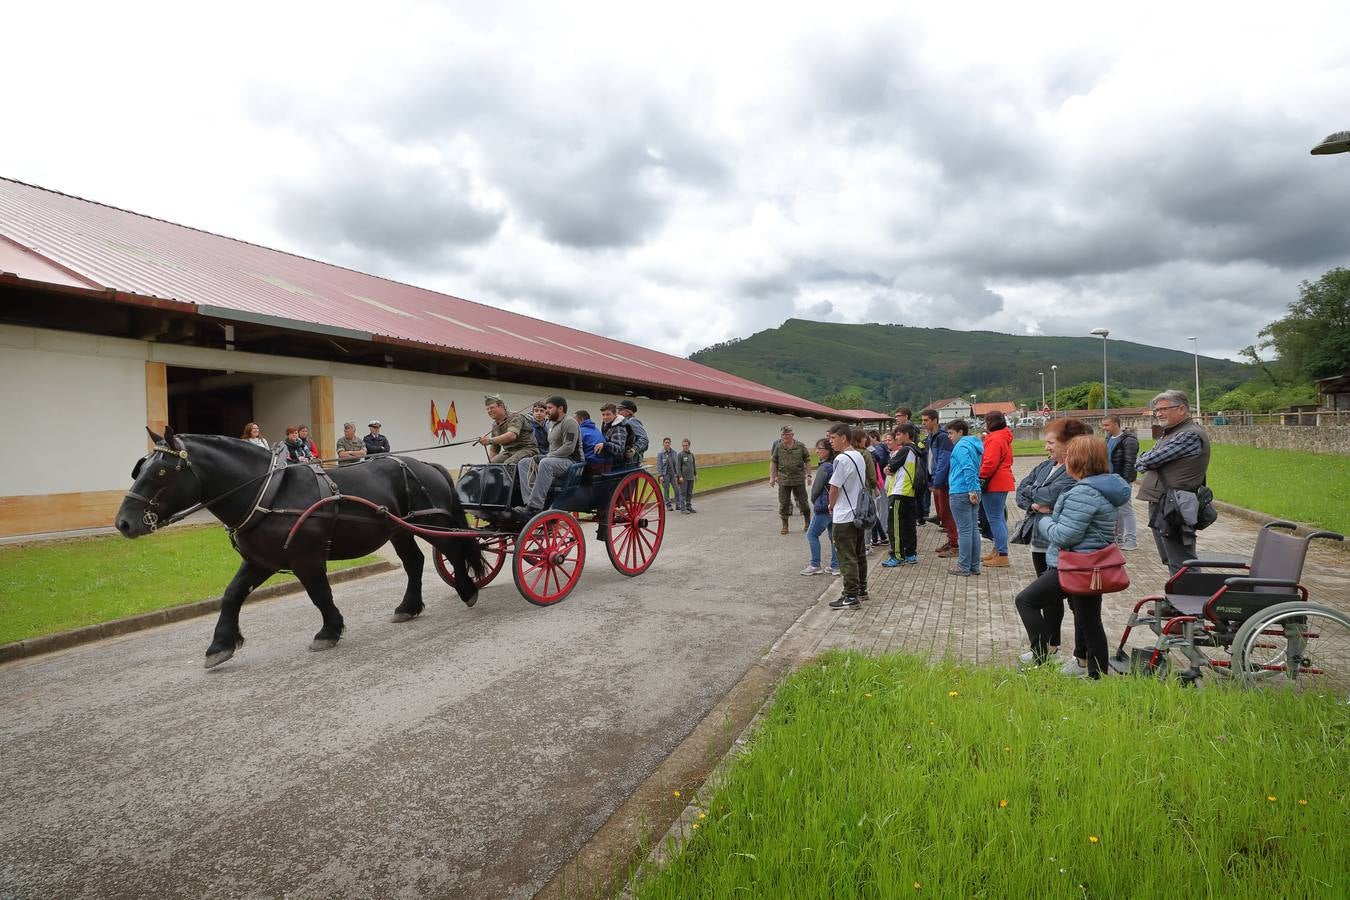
{"x":1313,"y":341}
{"x":1079,"y":396}
{"x":846,"y":399}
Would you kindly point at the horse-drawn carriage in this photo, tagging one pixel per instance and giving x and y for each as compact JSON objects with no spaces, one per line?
{"x":298,"y":517}
{"x":548,"y":552}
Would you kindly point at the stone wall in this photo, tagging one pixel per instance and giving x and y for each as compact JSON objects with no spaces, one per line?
{"x":1314,"y":439}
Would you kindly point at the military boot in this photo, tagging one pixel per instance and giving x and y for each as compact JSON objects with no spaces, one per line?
{"x":784,"y":530}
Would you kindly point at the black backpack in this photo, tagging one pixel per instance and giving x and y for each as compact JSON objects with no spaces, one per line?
{"x":865,"y":512}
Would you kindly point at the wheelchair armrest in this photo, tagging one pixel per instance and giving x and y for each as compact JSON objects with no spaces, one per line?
{"x":1328,"y":535}
{"x":1261,"y":582}
{"x":1219,"y":562}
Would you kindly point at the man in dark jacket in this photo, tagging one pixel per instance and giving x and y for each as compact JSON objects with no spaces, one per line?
{"x":375,"y":442}
{"x":668,"y":470}
{"x":1178,"y":461}
{"x":1123,"y":448}
{"x":939,"y":458}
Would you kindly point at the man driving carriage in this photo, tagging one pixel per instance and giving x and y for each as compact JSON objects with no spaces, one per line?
{"x":512,"y":436}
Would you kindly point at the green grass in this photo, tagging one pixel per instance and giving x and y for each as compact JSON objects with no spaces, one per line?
{"x":57,"y":585}
{"x":887,"y":778}
{"x":1287,"y":484}
{"x":736,"y":473}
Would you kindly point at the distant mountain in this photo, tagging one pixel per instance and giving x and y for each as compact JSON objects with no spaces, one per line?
{"x":889,"y":365}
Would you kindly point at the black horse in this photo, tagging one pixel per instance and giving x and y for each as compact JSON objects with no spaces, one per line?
{"x":260,"y":500}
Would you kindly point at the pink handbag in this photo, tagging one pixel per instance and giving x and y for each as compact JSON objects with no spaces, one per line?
{"x":1093,"y":572}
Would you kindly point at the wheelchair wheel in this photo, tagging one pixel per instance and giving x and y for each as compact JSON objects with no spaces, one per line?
{"x":1302,"y":645}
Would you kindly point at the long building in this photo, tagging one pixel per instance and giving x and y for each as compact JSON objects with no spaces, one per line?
{"x":111,"y":321}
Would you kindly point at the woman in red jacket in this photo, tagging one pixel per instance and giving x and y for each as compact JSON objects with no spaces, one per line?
{"x":997,"y":477}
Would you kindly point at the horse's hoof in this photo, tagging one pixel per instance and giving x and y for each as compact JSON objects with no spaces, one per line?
{"x":215,"y":659}
{"x":471,"y":601}
{"x":323,"y":644}
{"x":400,"y":616}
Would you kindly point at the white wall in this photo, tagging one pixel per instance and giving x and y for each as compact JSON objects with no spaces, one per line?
{"x":402,"y":403}
{"x":79,"y":403}
{"x":74,"y":413}
{"x":278,"y":402}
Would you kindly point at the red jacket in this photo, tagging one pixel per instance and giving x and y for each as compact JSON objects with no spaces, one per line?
{"x":996,"y":464}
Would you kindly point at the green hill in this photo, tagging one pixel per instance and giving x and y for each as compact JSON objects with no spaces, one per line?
{"x":888,"y":365}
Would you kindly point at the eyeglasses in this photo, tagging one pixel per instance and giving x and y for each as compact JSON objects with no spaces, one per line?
{"x":1163,"y":409}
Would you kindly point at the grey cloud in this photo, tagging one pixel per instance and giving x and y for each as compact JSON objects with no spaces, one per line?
{"x":417,"y":214}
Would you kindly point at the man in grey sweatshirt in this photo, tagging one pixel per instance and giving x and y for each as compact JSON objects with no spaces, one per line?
{"x":564,"y":448}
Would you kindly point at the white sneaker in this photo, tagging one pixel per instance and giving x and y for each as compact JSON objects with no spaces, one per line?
{"x":811,"y":570}
{"x":1073,"y":669}
{"x":1129,"y":545}
{"x":834,"y":573}
{"x":1030,"y":656}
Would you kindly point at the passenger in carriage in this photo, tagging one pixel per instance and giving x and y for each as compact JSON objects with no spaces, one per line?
{"x":617,"y":436}
{"x":511,"y":438}
{"x":541,"y":425}
{"x":564,"y":448}
{"x":591,"y":437}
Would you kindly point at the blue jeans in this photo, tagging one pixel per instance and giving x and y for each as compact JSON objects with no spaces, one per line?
{"x":967,"y":518}
{"x":995,"y":506}
{"x":820,"y":524}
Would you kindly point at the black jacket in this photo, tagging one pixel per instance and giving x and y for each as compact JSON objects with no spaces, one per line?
{"x":1123,"y":454}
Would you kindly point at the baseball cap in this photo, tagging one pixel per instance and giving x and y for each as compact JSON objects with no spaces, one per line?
{"x":627,"y":404}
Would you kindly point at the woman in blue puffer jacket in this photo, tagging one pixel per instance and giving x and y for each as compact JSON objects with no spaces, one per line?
{"x":1083,"y":519}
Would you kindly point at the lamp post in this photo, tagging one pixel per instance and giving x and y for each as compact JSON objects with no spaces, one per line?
{"x":972,"y":406}
{"x":1054,"y":388}
{"x":1102,"y":333}
{"x":1195,"y":347}
{"x":1042,"y":374}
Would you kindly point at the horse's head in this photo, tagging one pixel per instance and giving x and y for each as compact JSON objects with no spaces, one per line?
{"x":164,"y":485}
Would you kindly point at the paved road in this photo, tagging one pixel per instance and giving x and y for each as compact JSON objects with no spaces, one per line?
{"x":469,"y":752}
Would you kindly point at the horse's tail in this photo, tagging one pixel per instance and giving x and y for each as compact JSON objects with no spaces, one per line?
{"x":472,"y":548}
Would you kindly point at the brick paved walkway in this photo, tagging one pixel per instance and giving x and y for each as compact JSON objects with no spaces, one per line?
{"x":922,"y":609}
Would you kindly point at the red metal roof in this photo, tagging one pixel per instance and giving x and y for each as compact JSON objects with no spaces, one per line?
{"x":865,"y":414}
{"x":58,"y":239}
{"x":1003,"y":406}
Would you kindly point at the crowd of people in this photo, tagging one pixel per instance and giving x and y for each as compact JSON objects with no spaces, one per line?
{"x":872,"y":490}
{"x":298,"y":447}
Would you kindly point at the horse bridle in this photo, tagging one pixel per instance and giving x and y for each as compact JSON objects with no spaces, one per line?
{"x":180,"y":461}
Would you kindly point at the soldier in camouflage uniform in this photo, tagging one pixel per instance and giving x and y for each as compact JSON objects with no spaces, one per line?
{"x":790,"y":470}
{"x":512,"y":436}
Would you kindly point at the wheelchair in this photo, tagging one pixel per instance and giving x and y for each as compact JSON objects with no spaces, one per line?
{"x":1249,"y":619}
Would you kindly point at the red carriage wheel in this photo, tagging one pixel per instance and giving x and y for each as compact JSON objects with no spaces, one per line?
{"x":635,"y":523}
{"x":495,"y":550}
{"x":550,"y":552}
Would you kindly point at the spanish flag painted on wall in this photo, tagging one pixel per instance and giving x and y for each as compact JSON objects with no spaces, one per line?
{"x":446,"y":428}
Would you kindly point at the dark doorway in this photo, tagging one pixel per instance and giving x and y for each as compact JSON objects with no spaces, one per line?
{"x":204,"y":401}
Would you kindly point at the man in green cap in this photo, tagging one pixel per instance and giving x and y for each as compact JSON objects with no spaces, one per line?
{"x":790,"y":470}
{"x":511,"y":438}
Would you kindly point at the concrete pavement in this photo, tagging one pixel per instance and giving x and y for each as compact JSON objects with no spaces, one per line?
{"x":470,"y":752}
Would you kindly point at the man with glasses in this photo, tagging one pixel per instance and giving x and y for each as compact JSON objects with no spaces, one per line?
{"x":1178,"y":461}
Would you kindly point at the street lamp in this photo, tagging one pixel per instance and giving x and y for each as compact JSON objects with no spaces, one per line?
{"x":1102,"y":333}
{"x":1337,"y":142}
{"x":1195,"y":346}
{"x":1054,"y":388}
{"x":1038,"y":412}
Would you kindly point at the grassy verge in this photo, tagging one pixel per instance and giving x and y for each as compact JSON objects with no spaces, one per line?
{"x":736,"y":473}
{"x":1287,"y":484}
{"x":887,"y":778}
{"x":57,"y":585}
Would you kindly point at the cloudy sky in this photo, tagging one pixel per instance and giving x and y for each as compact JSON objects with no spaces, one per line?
{"x":680,"y":174}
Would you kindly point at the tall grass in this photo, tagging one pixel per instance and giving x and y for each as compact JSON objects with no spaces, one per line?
{"x":887,"y":777}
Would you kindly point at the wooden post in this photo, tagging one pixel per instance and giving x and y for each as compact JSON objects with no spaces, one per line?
{"x":156,"y":398}
{"x":321,"y":415}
